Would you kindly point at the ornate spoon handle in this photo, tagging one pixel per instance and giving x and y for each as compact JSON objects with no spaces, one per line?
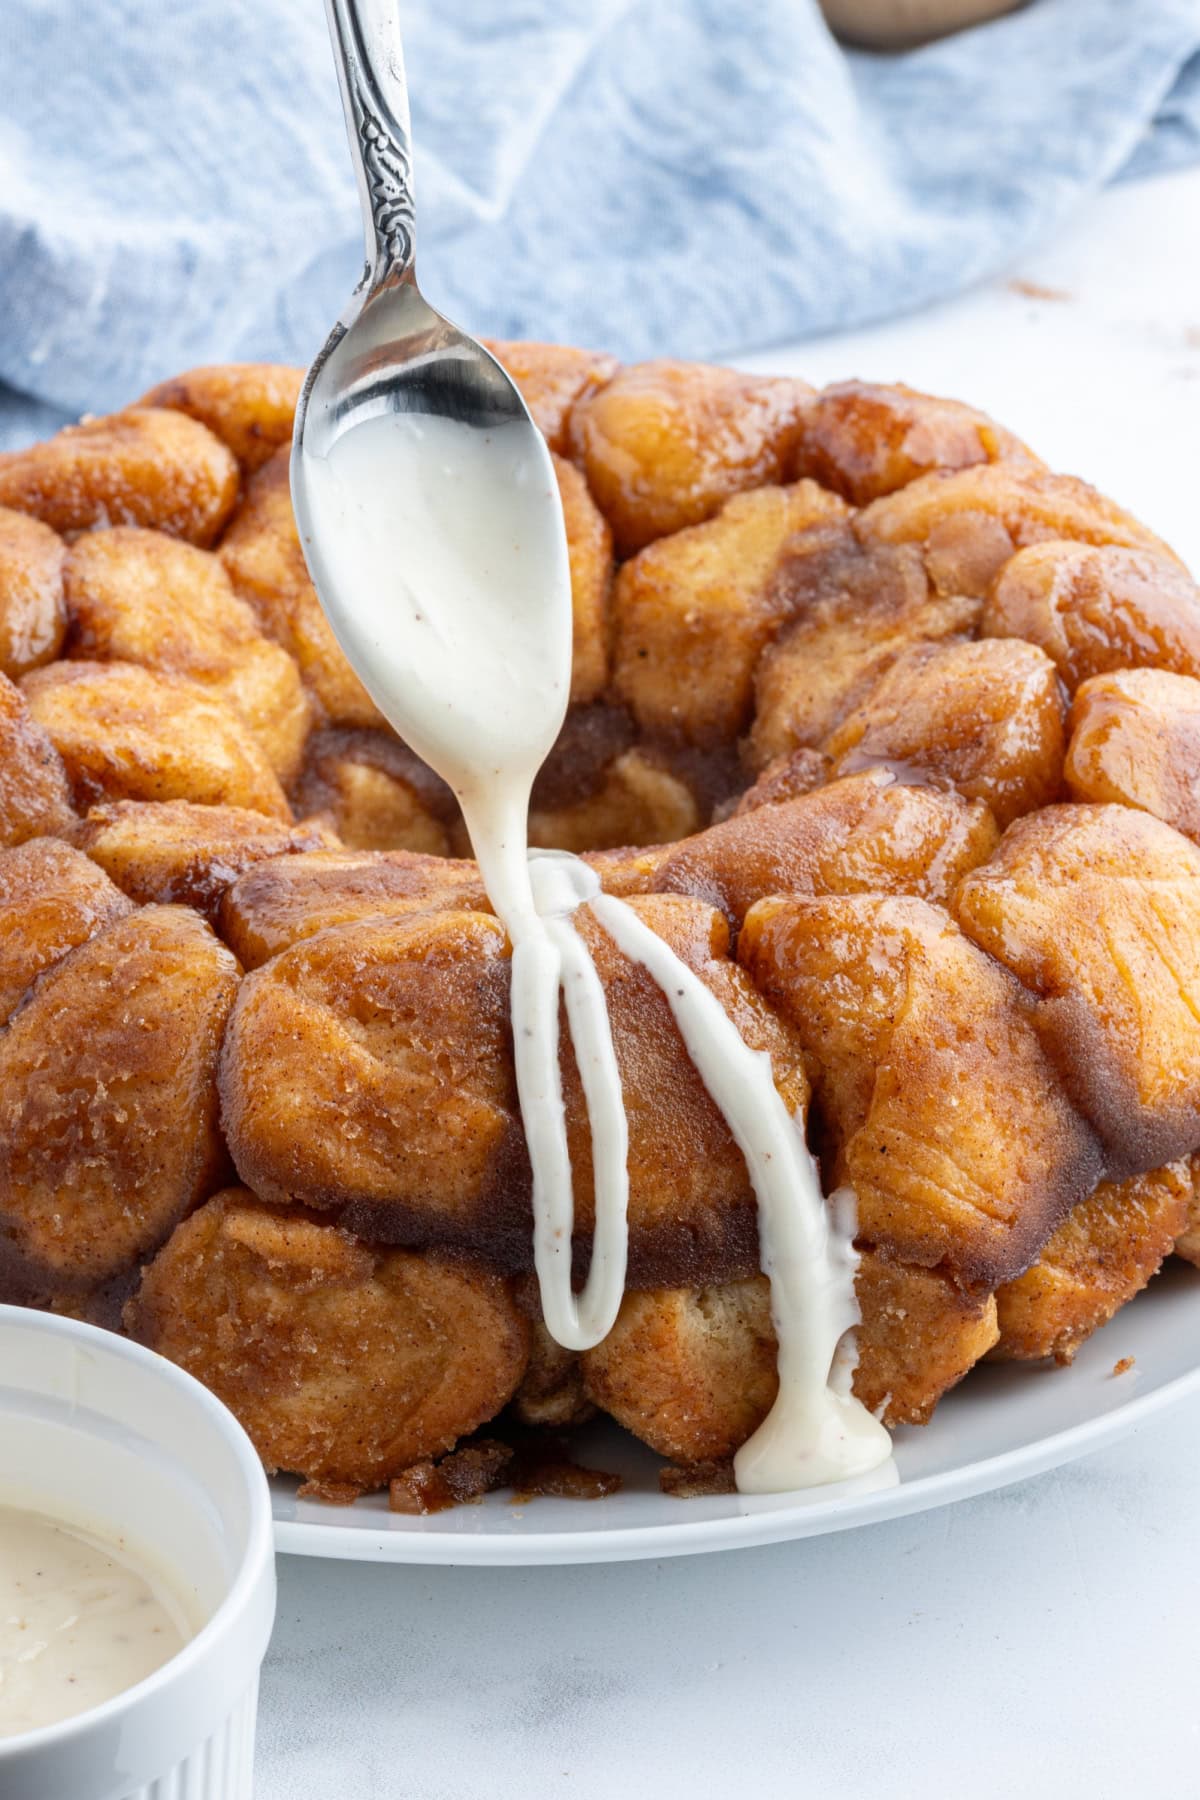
{"x":370,"y":63}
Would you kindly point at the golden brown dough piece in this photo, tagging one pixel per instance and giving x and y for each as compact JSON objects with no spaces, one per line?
{"x":140,"y":597}
{"x":128,"y":733}
{"x":1103,"y":1253}
{"x":599,"y":789}
{"x":985,"y":718}
{"x":866,"y":833}
{"x":920,"y":1334}
{"x":971,"y":521}
{"x":279,"y":903}
{"x":853,"y":606}
{"x":51,"y":898}
{"x":640,"y":799}
{"x":33,"y":619}
{"x":552,"y":377}
{"x":865,"y":439}
{"x":261,"y":551}
{"x":344,"y":1364}
{"x":372,"y":1065}
{"x":694,"y":611}
{"x":1135,"y":740}
{"x":914,"y":566}
{"x":665,"y":444}
{"x":376,"y":794}
{"x":178,"y":851}
{"x":1096,"y":909}
{"x":787,"y":777}
{"x":590,"y":547}
{"x":1097,"y":608}
{"x":249,"y":406}
{"x":939,"y":1105}
{"x":144,"y":466}
{"x":626,"y":871}
{"x":693,"y":1373}
{"x":1187,"y":1244}
{"x":551,"y":1393}
{"x":108,"y":1100}
{"x":35,"y":795}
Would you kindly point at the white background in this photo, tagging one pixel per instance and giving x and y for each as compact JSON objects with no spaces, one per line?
{"x":1040,"y":1642}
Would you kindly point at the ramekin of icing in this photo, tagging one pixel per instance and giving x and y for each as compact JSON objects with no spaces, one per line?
{"x":116,"y":1444}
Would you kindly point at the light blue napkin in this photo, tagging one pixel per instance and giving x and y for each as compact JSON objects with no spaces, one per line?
{"x":651,"y":176}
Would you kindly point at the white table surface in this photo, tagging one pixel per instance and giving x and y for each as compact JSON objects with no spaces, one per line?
{"x":1039,"y":1642}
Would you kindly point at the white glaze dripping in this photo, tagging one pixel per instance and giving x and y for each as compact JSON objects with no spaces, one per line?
{"x":440,"y":559}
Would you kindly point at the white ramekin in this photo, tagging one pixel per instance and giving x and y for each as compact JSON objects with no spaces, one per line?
{"x":104,"y":1434}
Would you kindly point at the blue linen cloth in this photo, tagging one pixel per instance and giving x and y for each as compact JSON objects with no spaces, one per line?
{"x":650,"y":176}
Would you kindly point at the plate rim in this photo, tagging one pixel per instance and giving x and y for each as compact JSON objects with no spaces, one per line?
{"x":746,"y":1530}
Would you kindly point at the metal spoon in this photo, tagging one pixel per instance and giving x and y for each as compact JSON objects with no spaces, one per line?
{"x":392,"y":353}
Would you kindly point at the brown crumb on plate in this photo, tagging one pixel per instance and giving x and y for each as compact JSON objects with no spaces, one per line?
{"x":1035,"y":290}
{"x":696,"y":1481}
{"x":330,"y":1493}
{"x":1123,"y":1367}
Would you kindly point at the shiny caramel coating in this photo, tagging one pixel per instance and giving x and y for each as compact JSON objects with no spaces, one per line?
{"x":1135,"y":741}
{"x":344,"y":1364}
{"x":692,"y":1372}
{"x":35,"y":794}
{"x":177,"y":851}
{"x":262,"y":554}
{"x":371,"y":1066}
{"x":108,"y":1100}
{"x":128,"y":733}
{"x":1104,"y":1252}
{"x":866,"y":833}
{"x":969,"y":522}
{"x":1096,"y":608}
{"x":249,"y":406}
{"x":280,"y":902}
{"x":853,"y":606}
{"x":375,"y":792}
{"x":865,"y":439}
{"x":139,"y":596}
{"x":143,"y":466}
{"x":552,"y":377}
{"x":590,"y":550}
{"x":665,"y":444}
{"x":51,"y":899}
{"x":984,"y":718}
{"x":694,"y":611}
{"x":786,"y":777}
{"x":33,"y":618}
{"x":938,"y":1104}
{"x":1096,"y":910}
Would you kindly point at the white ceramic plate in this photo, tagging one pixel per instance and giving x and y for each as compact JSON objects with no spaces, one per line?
{"x":1002,"y":1424}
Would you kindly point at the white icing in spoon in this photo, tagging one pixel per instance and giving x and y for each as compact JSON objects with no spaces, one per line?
{"x":440,"y":558}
